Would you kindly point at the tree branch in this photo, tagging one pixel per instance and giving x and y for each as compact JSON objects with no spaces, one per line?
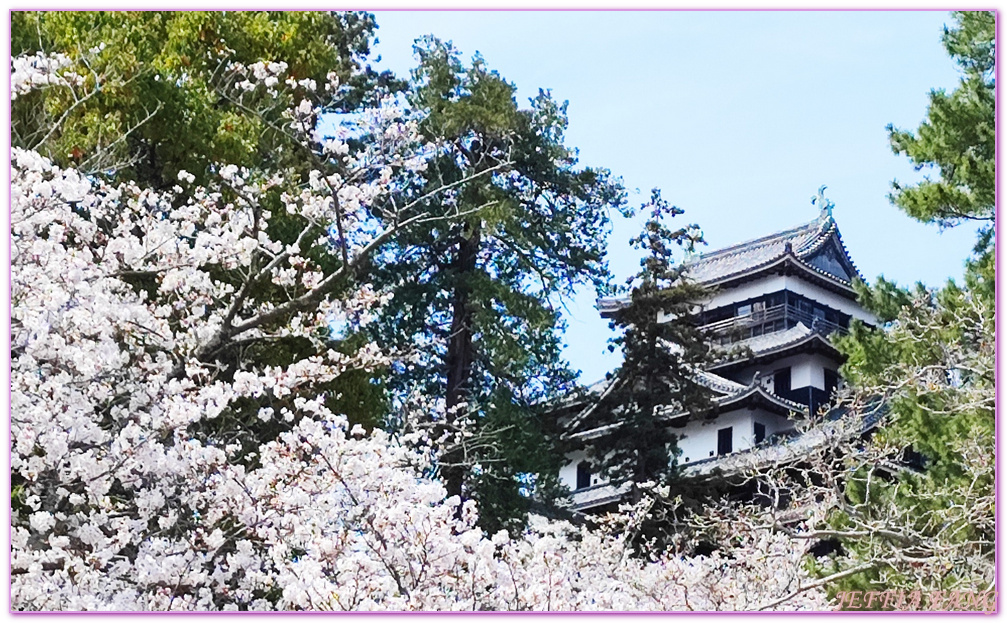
{"x":819,"y":583}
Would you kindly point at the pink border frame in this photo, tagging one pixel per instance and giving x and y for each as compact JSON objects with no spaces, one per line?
{"x":997,"y":307}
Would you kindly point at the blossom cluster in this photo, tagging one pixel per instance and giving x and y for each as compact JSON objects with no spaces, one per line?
{"x":118,"y":506}
{"x":122,"y":297}
{"x":30,"y":72}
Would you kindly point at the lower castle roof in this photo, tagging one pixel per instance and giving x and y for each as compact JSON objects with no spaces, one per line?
{"x":729,"y":394}
{"x":775,"y":345}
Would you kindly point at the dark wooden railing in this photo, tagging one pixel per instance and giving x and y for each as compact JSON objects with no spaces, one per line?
{"x":770,"y":314}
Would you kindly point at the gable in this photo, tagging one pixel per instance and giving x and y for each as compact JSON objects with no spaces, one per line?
{"x":832,"y":258}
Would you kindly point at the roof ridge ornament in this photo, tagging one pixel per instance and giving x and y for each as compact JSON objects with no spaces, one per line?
{"x":824,"y":204}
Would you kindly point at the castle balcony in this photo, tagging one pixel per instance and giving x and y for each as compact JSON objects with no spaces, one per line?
{"x":770,"y":320}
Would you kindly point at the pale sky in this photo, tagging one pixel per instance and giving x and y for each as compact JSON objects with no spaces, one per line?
{"x":738,"y":117}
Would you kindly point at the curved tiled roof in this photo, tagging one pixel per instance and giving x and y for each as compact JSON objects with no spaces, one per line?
{"x":756,"y":389}
{"x":796,"y":247}
{"x":770,"y":343}
{"x":717,"y":383}
{"x":779,"y":339}
{"x":730,"y":393}
{"x":801,"y":242}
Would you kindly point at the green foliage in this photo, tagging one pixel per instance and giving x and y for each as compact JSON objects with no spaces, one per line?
{"x":524,"y":468}
{"x":153,"y":107}
{"x":662,"y":350}
{"x":958,"y":141}
{"x":933,"y":370}
{"x":932,"y":364}
{"x":476,"y":295}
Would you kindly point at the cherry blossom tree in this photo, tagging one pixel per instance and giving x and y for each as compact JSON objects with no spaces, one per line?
{"x":123,"y":297}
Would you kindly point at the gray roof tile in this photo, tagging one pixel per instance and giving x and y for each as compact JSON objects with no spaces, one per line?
{"x":718,"y":383}
{"x":777,"y":339}
{"x":803,"y":241}
{"x":728,"y":390}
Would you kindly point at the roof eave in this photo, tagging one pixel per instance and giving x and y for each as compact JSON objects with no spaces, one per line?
{"x":787,"y":264}
{"x":759,"y":396}
{"x":816,"y":342}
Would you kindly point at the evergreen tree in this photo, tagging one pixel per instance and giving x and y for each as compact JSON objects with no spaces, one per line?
{"x":151,"y":101}
{"x":957,"y":140}
{"x":932,"y":364}
{"x":477,"y":301}
{"x":662,"y":351}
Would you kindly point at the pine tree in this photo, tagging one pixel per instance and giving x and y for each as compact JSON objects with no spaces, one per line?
{"x":662,"y":351}
{"x":932,"y":364}
{"x":957,"y":140}
{"x":478,"y":301}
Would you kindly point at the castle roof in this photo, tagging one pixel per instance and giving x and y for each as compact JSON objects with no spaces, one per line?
{"x":756,"y":394}
{"x":814,"y":250}
{"x":774,"y":345}
{"x":817,"y":245}
{"x":727,"y":394}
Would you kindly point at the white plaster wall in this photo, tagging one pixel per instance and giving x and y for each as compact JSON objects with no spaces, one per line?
{"x":744,"y":291}
{"x":805,"y":370}
{"x":775,"y":283}
{"x":774,"y":423}
{"x":568,"y":473}
{"x":699,"y":438}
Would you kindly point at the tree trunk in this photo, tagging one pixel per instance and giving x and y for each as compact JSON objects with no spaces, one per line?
{"x":460,"y":350}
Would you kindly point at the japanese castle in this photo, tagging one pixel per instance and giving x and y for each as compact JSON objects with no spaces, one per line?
{"x":773,"y":303}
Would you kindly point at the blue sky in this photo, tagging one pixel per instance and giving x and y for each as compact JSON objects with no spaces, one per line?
{"x":738,"y":117}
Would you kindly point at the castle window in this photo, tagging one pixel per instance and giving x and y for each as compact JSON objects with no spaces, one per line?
{"x":760,"y":432}
{"x":583,"y":475}
{"x":781,"y":382}
{"x":724,"y":441}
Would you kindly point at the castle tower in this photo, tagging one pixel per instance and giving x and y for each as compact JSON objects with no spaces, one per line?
{"x":773,"y":304}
